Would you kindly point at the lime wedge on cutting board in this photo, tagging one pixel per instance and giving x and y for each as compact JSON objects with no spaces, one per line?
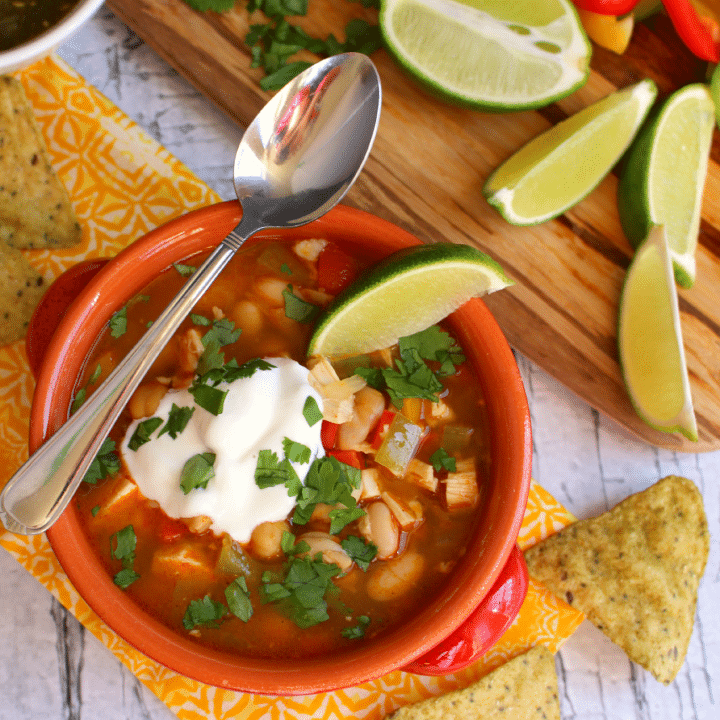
{"x":407,"y":292}
{"x":490,"y":54}
{"x":650,"y":342}
{"x":664,"y":174}
{"x":559,"y":167}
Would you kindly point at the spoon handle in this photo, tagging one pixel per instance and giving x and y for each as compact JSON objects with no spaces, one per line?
{"x":41,"y":489}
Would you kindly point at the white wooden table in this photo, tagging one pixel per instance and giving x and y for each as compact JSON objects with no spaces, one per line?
{"x":51,"y":668}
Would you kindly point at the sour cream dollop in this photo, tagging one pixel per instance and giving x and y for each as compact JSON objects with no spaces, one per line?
{"x":259,"y":412}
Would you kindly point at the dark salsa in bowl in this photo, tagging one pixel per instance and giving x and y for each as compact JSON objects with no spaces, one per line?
{"x":353,"y":515}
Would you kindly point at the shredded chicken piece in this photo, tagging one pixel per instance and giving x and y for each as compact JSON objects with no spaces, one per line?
{"x":198,"y":524}
{"x":310,"y":249}
{"x":218,"y":314}
{"x":422,"y":474}
{"x":441,"y":411}
{"x":369,"y":485}
{"x":407,"y":518}
{"x":338,"y":395}
{"x":461,"y":488}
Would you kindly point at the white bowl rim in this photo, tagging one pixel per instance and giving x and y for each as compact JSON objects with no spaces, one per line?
{"x":43,"y":44}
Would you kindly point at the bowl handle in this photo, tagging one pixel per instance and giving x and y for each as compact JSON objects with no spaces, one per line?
{"x":52,"y":307}
{"x":485,"y":625}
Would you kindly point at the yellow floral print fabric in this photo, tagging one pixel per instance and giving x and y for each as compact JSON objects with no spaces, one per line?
{"x":123,"y":184}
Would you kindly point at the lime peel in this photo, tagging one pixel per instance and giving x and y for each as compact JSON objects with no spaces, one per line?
{"x":660,"y":185}
{"x":650,"y":342}
{"x":558,"y":168}
{"x":489,"y":54}
{"x":409,"y":291}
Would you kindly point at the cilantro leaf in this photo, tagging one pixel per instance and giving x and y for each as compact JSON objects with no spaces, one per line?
{"x":296,"y":308}
{"x":271,"y":471}
{"x":311,"y":411}
{"x":143,"y":431}
{"x":360,"y":551}
{"x":209,"y":398}
{"x":197,"y":472}
{"x":434,"y":343}
{"x":184,"y":270}
{"x":177,"y":421}
{"x":106,"y":463}
{"x":118,"y":323}
{"x":340,"y":517}
{"x":296,"y":452}
{"x":442,"y":460}
{"x":232,"y":372}
{"x":199,"y":319}
{"x":125,"y":577}
{"x":206,"y":613}
{"x":238,"y":599}
{"x":358,"y":631}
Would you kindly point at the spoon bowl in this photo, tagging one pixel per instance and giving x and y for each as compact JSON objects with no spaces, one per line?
{"x":296,"y":160}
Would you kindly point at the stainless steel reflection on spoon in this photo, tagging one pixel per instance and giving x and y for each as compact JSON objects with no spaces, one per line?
{"x":295,"y":162}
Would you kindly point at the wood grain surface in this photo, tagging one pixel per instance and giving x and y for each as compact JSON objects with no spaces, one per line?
{"x":426,"y":173}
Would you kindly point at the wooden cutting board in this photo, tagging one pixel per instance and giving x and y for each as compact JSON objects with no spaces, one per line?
{"x":426,"y":173}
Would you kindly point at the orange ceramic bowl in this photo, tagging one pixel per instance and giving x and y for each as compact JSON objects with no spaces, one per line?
{"x":485,"y":590}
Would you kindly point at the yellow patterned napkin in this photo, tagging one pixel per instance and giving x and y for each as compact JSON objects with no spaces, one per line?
{"x":123,"y":184}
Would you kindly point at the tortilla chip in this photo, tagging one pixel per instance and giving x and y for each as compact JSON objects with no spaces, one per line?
{"x":21,"y":288}
{"x":634,"y":571}
{"x":524,"y":688}
{"x":35,"y":210}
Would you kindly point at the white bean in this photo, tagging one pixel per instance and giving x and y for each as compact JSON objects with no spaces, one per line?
{"x":395,"y":578}
{"x":369,"y":406}
{"x":378,"y":526}
{"x":247,"y":315}
{"x":271,"y":289}
{"x":145,"y":400}
{"x":328,"y":547}
{"x":265,"y":541}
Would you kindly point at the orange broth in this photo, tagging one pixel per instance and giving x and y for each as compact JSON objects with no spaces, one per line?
{"x":176,"y":566}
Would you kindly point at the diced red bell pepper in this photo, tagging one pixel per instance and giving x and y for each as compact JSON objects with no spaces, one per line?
{"x":378,"y":432}
{"x":328,"y":434}
{"x":349,"y":457}
{"x":607,"y":7}
{"x":169,"y":529}
{"x":336,"y":269}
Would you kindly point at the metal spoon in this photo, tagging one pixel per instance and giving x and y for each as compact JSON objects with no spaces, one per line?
{"x":295,"y":162}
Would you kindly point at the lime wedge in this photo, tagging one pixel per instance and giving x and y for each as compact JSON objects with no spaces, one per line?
{"x":650,"y":341}
{"x":404,"y":294}
{"x":489,"y":54}
{"x":561,"y":166}
{"x":663,"y":177}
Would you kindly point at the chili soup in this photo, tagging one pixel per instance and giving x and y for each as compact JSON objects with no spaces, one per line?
{"x":356,"y":503}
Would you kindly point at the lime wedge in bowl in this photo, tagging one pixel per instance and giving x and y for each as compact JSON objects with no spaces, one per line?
{"x":490,"y":54}
{"x":663,"y":176}
{"x":407,"y":292}
{"x":650,"y":342}
{"x":559,"y":167}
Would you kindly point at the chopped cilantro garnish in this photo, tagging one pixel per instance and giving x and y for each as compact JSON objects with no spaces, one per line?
{"x":106,"y":463}
{"x":214,"y":5}
{"x":328,"y":481}
{"x":298,"y":309}
{"x":360,"y":551}
{"x":436,"y":344}
{"x":248,"y":369}
{"x":238,"y":599}
{"x":296,"y":452}
{"x":122,"y":547}
{"x":442,"y":460}
{"x":340,"y":517}
{"x":271,"y":471}
{"x":143,"y":431}
{"x":125,"y":577}
{"x":197,"y":472}
{"x":221,"y":333}
{"x":199,"y":319}
{"x":206,"y":613}
{"x":184,"y":270}
{"x":209,"y":398}
{"x":95,"y":511}
{"x":311,"y":411}
{"x":286,"y":269}
{"x":118,"y":323}
{"x":358,"y":631}
{"x":178,"y":418}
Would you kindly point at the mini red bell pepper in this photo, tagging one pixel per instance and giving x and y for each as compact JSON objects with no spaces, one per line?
{"x":607,"y":7}
{"x":336,"y":269}
{"x":328,"y":434}
{"x":700,"y":34}
{"x":349,"y":457}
